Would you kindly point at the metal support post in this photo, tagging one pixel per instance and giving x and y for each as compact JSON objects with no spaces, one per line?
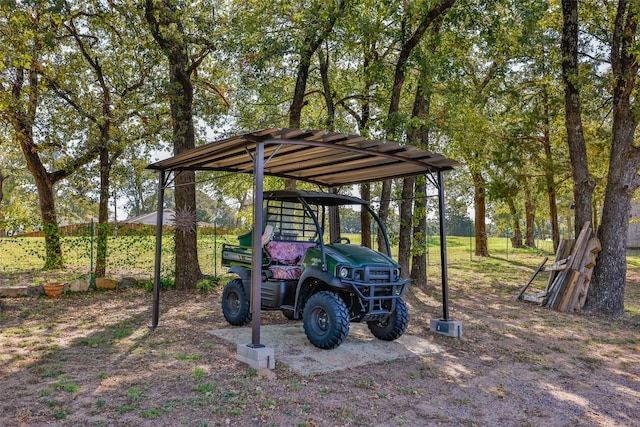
{"x":158,"y":261}
{"x":443,"y":248}
{"x":256,"y":263}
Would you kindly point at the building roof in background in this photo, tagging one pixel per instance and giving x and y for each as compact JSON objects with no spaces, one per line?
{"x":168,"y":217}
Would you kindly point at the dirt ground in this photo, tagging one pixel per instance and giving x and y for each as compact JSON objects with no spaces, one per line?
{"x":90,"y":359}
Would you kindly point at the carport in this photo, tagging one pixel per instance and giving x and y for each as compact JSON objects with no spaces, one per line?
{"x":327,"y":159}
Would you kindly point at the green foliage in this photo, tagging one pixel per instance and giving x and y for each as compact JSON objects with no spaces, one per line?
{"x":60,"y":414}
{"x":490,"y":70}
{"x":152,"y":413}
{"x":65,"y":384}
{"x":134,"y":394}
{"x":206,"y":388}
{"x":166,"y":283}
{"x":209,"y":284}
{"x":199,"y":373}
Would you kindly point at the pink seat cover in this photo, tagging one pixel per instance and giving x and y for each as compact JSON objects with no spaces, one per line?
{"x":289,"y":255}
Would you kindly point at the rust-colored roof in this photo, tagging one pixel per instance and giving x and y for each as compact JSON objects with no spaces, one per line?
{"x":319,"y":157}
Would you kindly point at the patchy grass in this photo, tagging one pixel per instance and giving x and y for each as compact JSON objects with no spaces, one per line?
{"x":90,"y":359}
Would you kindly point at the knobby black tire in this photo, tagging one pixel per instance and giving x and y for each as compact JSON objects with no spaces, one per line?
{"x":326,"y":320}
{"x":235,"y":303}
{"x":394,"y":326}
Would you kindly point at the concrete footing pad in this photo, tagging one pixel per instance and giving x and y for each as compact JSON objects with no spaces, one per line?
{"x":291,"y":347}
{"x":450,"y":328}
{"x":256,"y":357}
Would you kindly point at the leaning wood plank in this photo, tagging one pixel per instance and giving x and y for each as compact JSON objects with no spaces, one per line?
{"x":580,"y":296}
{"x":559,"y":288}
{"x":593,"y":249}
{"x":557,"y":266}
{"x":554,"y":289}
{"x":590,"y":260}
{"x":583,"y":296}
{"x":577,"y":254}
{"x":563,"y":252}
{"x":579,"y":249}
{"x":535,"y":273}
{"x":539,"y":297}
{"x":570,"y":296}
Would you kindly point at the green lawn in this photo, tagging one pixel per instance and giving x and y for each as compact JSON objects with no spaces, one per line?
{"x":506,"y":270}
{"x":27,"y":253}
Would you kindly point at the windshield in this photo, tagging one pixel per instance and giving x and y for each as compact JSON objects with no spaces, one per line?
{"x":296,"y":221}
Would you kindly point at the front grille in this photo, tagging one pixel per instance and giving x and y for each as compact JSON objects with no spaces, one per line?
{"x":374,"y":274}
{"x":377,"y":287}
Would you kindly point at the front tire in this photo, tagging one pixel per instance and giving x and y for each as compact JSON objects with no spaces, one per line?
{"x":326,"y":320}
{"x":394,"y":326}
{"x":235,"y":303}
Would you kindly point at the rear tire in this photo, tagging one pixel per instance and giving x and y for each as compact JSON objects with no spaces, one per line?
{"x":326,"y":320}
{"x":235,"y":303}
{"x":394,"y":326}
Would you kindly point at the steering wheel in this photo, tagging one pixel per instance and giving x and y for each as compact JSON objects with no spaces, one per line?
{"x":339,"y":240}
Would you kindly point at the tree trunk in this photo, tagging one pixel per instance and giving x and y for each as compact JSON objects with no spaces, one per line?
{"x":46,"y":197}
{"x":479,"y":202}
{"x":421,"y":109}
{"x":406,"y":225}
{"x":365,"y":218}
{"x":530,"y":216}
{"x":583,"y":185}
{"x":23,"y":126}
{"x":516,"y":239}
{"x":188,"y":271}
{"x":606,"y":292}
{"x":549,"y":176}
{"x":242,"y":208}
{"x":419,"y":251}
{"x":383,"y":211}
{"x":103,"y":215}
{"x":3,"y":231}
{"x":542,"y":232}
{"x":161,"y":15}
{"x":418,"y":135}
{"x":434,"y":15}
{"x":309,"y":48}
{"x":326,"y":89}
{"x":607,"y":288}
{"x":22,"y":114}
{"x":2,"y":178}
{"x":363,"y":123}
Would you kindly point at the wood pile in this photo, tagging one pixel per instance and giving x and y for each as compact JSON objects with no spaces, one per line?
{"x":569,"y":275}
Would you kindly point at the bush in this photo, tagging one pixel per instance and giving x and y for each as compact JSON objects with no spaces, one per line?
{"x":208,"y":284}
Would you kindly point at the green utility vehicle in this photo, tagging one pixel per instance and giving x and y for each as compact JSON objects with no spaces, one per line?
{"x":327,"y":284}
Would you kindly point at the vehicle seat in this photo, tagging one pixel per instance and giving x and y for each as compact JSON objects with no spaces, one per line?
{"x":286,"y":257}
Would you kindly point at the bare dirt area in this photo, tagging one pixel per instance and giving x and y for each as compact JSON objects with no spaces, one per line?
{"x":90,"y":359}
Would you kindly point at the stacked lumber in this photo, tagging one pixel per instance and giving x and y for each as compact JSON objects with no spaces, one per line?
{"x":569,"y":275}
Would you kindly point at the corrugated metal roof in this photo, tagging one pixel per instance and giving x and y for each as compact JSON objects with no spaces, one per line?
{"x":319,"y":157}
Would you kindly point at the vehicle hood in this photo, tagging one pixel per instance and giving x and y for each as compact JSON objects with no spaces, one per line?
{"x":357,"y":255}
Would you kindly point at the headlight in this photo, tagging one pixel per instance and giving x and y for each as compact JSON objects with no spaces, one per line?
{"x":344,"y":272}
{"x":396,"y":274}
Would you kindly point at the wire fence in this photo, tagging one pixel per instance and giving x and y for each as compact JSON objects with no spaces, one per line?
{"x":135,"y":254}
